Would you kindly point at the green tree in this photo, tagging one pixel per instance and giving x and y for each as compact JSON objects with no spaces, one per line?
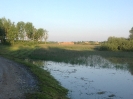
{"x":21,"y":30}
{"x":2,"y":32}
{"x":45,"y":35}
{"x":29,"y":29}
{"x":10,"y":32}
{"x":39,"y":34}
{"x":131,"y":33}
{"x":6,"y":26}
{"x":13,"y":33}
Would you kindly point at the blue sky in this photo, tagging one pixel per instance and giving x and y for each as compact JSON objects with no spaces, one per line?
{"x":73,"y":20}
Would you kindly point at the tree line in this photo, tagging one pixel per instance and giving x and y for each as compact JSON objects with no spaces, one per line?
{"x":10,"y":32}
{"x":119,"y":44}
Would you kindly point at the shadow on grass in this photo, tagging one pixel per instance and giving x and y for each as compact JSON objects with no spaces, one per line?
{"x":72,"y":56}
{"x":67,"y":55}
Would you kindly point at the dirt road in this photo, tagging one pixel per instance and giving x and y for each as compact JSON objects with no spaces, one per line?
{"x":15,"y":80}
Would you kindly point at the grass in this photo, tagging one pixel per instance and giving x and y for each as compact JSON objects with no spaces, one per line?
{"x":64,"y":53}
{"x":71,"y":53}
{"x":49,"y":87}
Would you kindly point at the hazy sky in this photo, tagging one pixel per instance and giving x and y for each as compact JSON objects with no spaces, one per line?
{"x":73,"y":20}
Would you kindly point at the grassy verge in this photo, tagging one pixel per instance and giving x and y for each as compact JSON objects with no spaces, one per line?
{"x":49,"y":88}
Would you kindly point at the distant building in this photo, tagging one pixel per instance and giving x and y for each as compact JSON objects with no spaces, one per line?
{"x":96,"y":43}
{"x":66,"y":43}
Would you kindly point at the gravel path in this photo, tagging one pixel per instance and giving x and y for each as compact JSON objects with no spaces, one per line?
{"x":15,"y":80}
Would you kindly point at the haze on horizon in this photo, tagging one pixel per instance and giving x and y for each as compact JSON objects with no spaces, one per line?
{"x":73,"y":20}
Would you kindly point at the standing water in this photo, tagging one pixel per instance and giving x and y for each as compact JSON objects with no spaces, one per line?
{"x":97,"y":78}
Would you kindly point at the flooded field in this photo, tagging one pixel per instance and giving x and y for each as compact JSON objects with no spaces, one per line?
{"x":95,"y":78}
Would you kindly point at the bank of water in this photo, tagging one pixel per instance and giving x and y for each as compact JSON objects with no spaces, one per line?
{"x":96,"y":78}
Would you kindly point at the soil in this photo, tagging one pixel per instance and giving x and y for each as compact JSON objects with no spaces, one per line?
{"x":15,"y":80}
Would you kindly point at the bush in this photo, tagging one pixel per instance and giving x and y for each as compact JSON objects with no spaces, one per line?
{"x":117,"y":44}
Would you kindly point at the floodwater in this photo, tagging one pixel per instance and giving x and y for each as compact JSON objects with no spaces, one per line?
{"x":97,"y":78}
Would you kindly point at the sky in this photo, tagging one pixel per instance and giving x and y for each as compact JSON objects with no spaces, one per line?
{"x":73,"y":20}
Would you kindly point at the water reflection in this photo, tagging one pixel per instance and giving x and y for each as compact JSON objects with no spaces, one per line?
{"x":92,"y":77}
{"x":99,"y":62}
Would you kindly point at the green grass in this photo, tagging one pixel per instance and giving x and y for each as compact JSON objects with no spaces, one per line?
{"x":63,"y":53}
{"x":49,"y":87}
{"x":71,"y":53}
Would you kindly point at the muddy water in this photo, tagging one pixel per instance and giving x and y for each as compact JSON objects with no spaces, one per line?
{"x":97,"y":78}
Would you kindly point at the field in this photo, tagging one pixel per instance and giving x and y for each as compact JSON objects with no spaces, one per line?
{"x":62,"y":53}
{"x":49,"y":87}
{"x":71,"y":53}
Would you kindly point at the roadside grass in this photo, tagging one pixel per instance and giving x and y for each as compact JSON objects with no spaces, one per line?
{"x":49,"y":88}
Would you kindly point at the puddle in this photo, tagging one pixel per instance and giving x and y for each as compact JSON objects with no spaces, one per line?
{"x":97,"y":78}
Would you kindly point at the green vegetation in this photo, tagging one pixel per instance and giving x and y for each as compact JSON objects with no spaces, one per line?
{"x":72,"y":53}
{"x":62,"y":53}
{"x":49,"y":88}
{"x":131,"y":34}
{"x":119,"y":44}
{"x":10,"y":32}
{"x":59,"y":53}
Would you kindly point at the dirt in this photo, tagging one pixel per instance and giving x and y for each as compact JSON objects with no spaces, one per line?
{"x":15,"y":80}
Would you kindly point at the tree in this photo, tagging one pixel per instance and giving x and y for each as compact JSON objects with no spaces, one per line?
{"x":29,"y":29}
{"x":21,"y":30}
{"x":9,"y":31}
{"x":39,"y":34}
{"x":13,"y":33}
{"x":2,"y":32}
{"x":6,"y":26}
{"x":131,"y":33}
{"x":34,"y":34}
{"x":45,"y":35}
